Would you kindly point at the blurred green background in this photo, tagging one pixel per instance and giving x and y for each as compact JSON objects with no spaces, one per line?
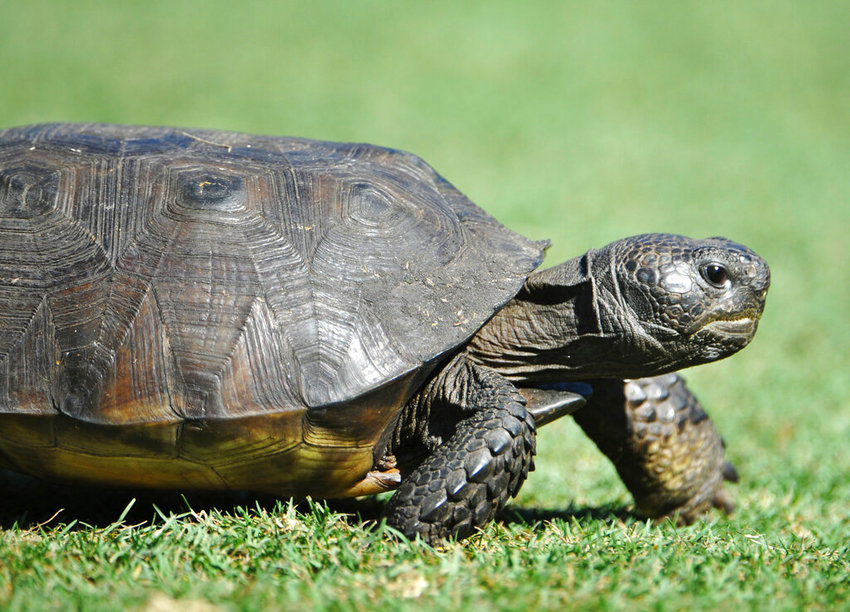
{"x":577,"y":121}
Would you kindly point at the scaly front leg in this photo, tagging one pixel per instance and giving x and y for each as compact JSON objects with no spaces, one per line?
{"x":663,"y":444}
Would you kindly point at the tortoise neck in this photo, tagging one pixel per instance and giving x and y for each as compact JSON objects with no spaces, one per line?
{"x":553,"y":313}
{"x":567,"y":323}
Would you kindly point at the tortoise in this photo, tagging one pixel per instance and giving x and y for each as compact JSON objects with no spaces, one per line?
{"x":203,"y":310}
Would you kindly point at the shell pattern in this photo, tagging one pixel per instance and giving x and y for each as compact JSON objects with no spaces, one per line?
{"x":186,"y":308}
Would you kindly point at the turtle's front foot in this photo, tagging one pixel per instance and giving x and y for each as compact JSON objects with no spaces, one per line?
{"x":663,"y":444}
{"x":463,"y":484}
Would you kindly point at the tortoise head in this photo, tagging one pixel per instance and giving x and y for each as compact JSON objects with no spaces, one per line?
{"x":638,"y":307}
{"x":701,"y":299}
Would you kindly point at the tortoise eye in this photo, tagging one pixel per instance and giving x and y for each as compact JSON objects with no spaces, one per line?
{"x":716,"y":274}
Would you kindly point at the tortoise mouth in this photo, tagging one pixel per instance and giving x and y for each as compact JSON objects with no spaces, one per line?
{"x":744,"y":326}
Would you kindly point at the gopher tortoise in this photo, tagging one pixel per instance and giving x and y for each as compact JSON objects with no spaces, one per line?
{"x":188,"y":309}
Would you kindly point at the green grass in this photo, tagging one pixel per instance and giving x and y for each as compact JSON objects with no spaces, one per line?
{"x":580,"y":122}
{"x":280,"y":558}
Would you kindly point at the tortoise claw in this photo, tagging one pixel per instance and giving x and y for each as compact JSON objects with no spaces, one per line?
{"x":546,"y":405}
{"x":730,"y":474}
{"x":723,"y":501}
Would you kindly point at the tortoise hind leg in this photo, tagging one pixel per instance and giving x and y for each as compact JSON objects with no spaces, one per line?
{"x":466,"y":480}
{"x":663,"y":444}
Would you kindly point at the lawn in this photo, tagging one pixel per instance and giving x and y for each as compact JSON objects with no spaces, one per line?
{"x":578,"y":122}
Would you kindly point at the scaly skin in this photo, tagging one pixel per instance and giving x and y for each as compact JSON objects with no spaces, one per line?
{"x":663,"y":444}
{"x":473,"y":467}
{"x":465,"y":482}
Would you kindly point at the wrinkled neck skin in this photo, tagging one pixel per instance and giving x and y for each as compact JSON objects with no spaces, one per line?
{"x":571,"y":322}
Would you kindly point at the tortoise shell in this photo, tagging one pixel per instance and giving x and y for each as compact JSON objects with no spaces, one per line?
{"x":198,"y":309}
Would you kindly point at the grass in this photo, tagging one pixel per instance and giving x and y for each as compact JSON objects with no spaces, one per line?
{"x":580,"y":122}
{"x":253,"y":558}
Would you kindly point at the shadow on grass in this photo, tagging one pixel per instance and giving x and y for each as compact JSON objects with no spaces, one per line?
{"x":29,"y":503}
{"x":581,"y":514}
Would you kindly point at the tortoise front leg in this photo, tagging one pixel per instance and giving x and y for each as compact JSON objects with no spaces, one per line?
{"x":468,"y":478}
{"x":663,"y":444}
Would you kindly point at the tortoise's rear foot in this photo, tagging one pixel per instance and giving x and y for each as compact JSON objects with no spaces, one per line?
{"x":467,"y":480}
